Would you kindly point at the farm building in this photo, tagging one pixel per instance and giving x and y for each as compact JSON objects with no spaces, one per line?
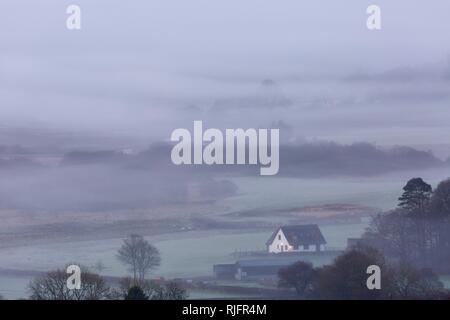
{"x":253,"y":268}
{"x":297,"y":238}
{"x":260,"y":268}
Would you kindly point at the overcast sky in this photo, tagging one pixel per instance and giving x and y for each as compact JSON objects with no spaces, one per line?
{"x":140,"y":69}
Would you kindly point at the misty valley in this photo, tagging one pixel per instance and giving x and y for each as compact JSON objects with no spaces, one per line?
{"x":221,"y":218}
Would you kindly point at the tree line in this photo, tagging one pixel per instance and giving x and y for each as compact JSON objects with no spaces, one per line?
{"x":409,"y":243}
{"x":417,"y":232}
{"x":346,"y":279}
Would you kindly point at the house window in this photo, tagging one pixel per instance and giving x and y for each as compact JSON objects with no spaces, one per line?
{"x":285,"y":247}
{"x":279,"y":237}
{"x":306,"y":246}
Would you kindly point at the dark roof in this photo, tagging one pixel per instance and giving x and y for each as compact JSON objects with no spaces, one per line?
{"x":265,"y":266}
{"x":300,"y":235}
{"x":264,"y":262}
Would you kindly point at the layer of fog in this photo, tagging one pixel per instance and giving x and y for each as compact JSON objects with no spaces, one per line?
{"x":116,"y":179}
{"x":137,"y":71}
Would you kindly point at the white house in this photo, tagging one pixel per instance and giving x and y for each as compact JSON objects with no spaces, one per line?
{"x":300,"y":238}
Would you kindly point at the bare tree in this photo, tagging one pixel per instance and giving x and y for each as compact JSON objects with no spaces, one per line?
{"x":153,"y":290}
{"x":53,"y":286}
{"x":175,"y":291}
{"x":139,"y":256}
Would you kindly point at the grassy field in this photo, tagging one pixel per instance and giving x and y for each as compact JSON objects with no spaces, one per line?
{"x":185,"y":255}
{"x":446,"y":281}
{"x":258,"y":192}
{"x":12,"y":287}
{"x":192,"y":254}
{"x":377,"y":191}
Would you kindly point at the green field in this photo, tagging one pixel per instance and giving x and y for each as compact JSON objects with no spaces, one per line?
{"x":259,"y":192}
{"x":192,"y":254}
{"x":183,"y":255}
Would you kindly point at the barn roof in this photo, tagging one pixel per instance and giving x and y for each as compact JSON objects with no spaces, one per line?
{"x":300,"y":235}
{"x":274,"y":262}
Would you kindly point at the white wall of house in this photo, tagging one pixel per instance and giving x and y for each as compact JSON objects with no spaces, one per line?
{"x":280,"y":244}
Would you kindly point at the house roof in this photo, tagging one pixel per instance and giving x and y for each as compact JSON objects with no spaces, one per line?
{"x":300,"y":235}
